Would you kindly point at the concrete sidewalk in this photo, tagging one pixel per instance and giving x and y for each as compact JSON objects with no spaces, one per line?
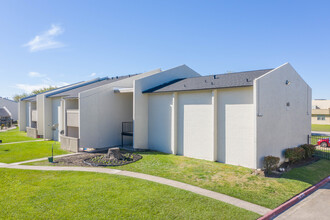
{"x":12,"y":128}
{"x":40,"y":159}
{"x":315,"y":206}
{"x":21,"y":142}
{"x":204,"y":192}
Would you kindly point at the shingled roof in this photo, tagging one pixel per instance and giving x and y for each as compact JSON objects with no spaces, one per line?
{"x":228,"y":80}
{"x":73,"y":93}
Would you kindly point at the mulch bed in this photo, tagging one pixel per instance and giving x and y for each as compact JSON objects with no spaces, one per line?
{"x":289,"y":166}
{"x":95,"y":159}
{"x":102,"y":160}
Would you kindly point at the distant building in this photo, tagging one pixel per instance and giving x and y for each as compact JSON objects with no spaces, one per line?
{"x":5,"y":117}
{"x":11,"y":106}
{"x":321,"y":112}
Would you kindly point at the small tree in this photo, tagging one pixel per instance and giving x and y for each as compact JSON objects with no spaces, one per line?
{"x":18,"y":97}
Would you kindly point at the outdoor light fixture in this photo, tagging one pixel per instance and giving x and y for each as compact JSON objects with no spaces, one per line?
{"x":287,"y":82}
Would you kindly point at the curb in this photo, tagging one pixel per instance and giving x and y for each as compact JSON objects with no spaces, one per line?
{"x":272,"y":214}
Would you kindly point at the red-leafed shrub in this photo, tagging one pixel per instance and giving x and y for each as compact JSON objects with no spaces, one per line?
{"x":271,"y":163}
{"x":309,"y":150}
{"x":295,"y":154}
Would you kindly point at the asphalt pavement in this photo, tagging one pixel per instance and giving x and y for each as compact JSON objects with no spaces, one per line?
{"x":321,"y":133}
{"x":314,"y":206}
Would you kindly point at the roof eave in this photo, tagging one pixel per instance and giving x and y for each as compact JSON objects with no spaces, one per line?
{"x":191,"y":90}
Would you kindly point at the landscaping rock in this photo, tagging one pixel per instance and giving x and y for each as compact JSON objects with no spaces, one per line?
{"x":114,"y":153}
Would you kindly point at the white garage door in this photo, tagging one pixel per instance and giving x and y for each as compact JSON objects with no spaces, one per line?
{"x":240,"y":147}
{"x":195,"y":125}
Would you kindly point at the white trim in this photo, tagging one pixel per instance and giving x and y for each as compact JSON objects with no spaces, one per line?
{"x":215,"y":123}
{"x":174,"y":124}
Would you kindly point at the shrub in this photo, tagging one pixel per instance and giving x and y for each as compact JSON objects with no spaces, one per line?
{"x":309,"y":150}
{"x":270,"y":163}
{"x":295,"y":154}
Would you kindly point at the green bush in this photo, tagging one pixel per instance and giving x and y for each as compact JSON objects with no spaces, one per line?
{"x":270,"y":163}
{"x":309,"y":150}
{"x":295,"y":154}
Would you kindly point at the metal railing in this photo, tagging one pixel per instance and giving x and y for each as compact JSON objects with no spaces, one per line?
{"x":127,"y":127}
{"x":126,"y":130}
{"x":322,"y":144}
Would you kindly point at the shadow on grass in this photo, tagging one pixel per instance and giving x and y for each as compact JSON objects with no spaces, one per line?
{"x":311,"y":174}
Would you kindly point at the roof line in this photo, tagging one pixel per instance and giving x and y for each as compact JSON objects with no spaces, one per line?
{"x":8,"y":99}
{"x":30,"y":96}
{"x":158,"y":89}
{"x":77,"y":86}
{"x":197,"y":89}
{"x":270,"y":69}
{"x":22,"y":99}
{"x":162,"y":85}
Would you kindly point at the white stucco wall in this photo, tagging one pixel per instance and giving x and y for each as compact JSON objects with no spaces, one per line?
{"x":160,"y":113}
{"x":40,"y":114}
{"x":47,"y":118}
{"x":195,"y":125}
{"x":201,"y":124}
{"x":28,"y":114}
{"x":56,"y":103}
{"x":22,"y":115}
{"x":102,"y":112}
{"x":279,"y":126}
{"x":72,"y":118}
{"x":71,"y":104}
{"x":239,"y":135}
{"x":140,"y":100}
{"x":230,"y":96}
{"x":73,"y":132}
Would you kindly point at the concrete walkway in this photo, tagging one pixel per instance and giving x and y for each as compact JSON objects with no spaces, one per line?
{"x":8,"y":129}
{"x":40,"y":159}
{"x":204,"y":192}
{"x":315,"y":206}
{"x":21,"y":142}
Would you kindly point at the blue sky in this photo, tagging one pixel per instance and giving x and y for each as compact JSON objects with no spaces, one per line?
{"x":59,"y":42}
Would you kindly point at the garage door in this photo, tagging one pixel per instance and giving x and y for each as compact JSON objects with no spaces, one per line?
{"x":239,"y":138}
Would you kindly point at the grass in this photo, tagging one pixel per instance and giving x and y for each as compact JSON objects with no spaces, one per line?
{"x":316,"y":127}
{"x":14,"y":136}
{"x":323,"y":153}
{"x":231,"y":180}
{"x":310,"y":174}
{"x":11,"y":153}
{"x":81,"y":195}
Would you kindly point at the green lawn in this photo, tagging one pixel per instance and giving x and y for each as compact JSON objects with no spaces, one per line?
{"x":81,"y":195}
{"x":235,"y":181}
{"x":320,"y":127}
{"x":14,"y":136}
{"x":311,"y":174}
{"x":11,"y":153}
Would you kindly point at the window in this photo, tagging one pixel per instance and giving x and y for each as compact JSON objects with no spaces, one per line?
{"x":321,"y":117}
